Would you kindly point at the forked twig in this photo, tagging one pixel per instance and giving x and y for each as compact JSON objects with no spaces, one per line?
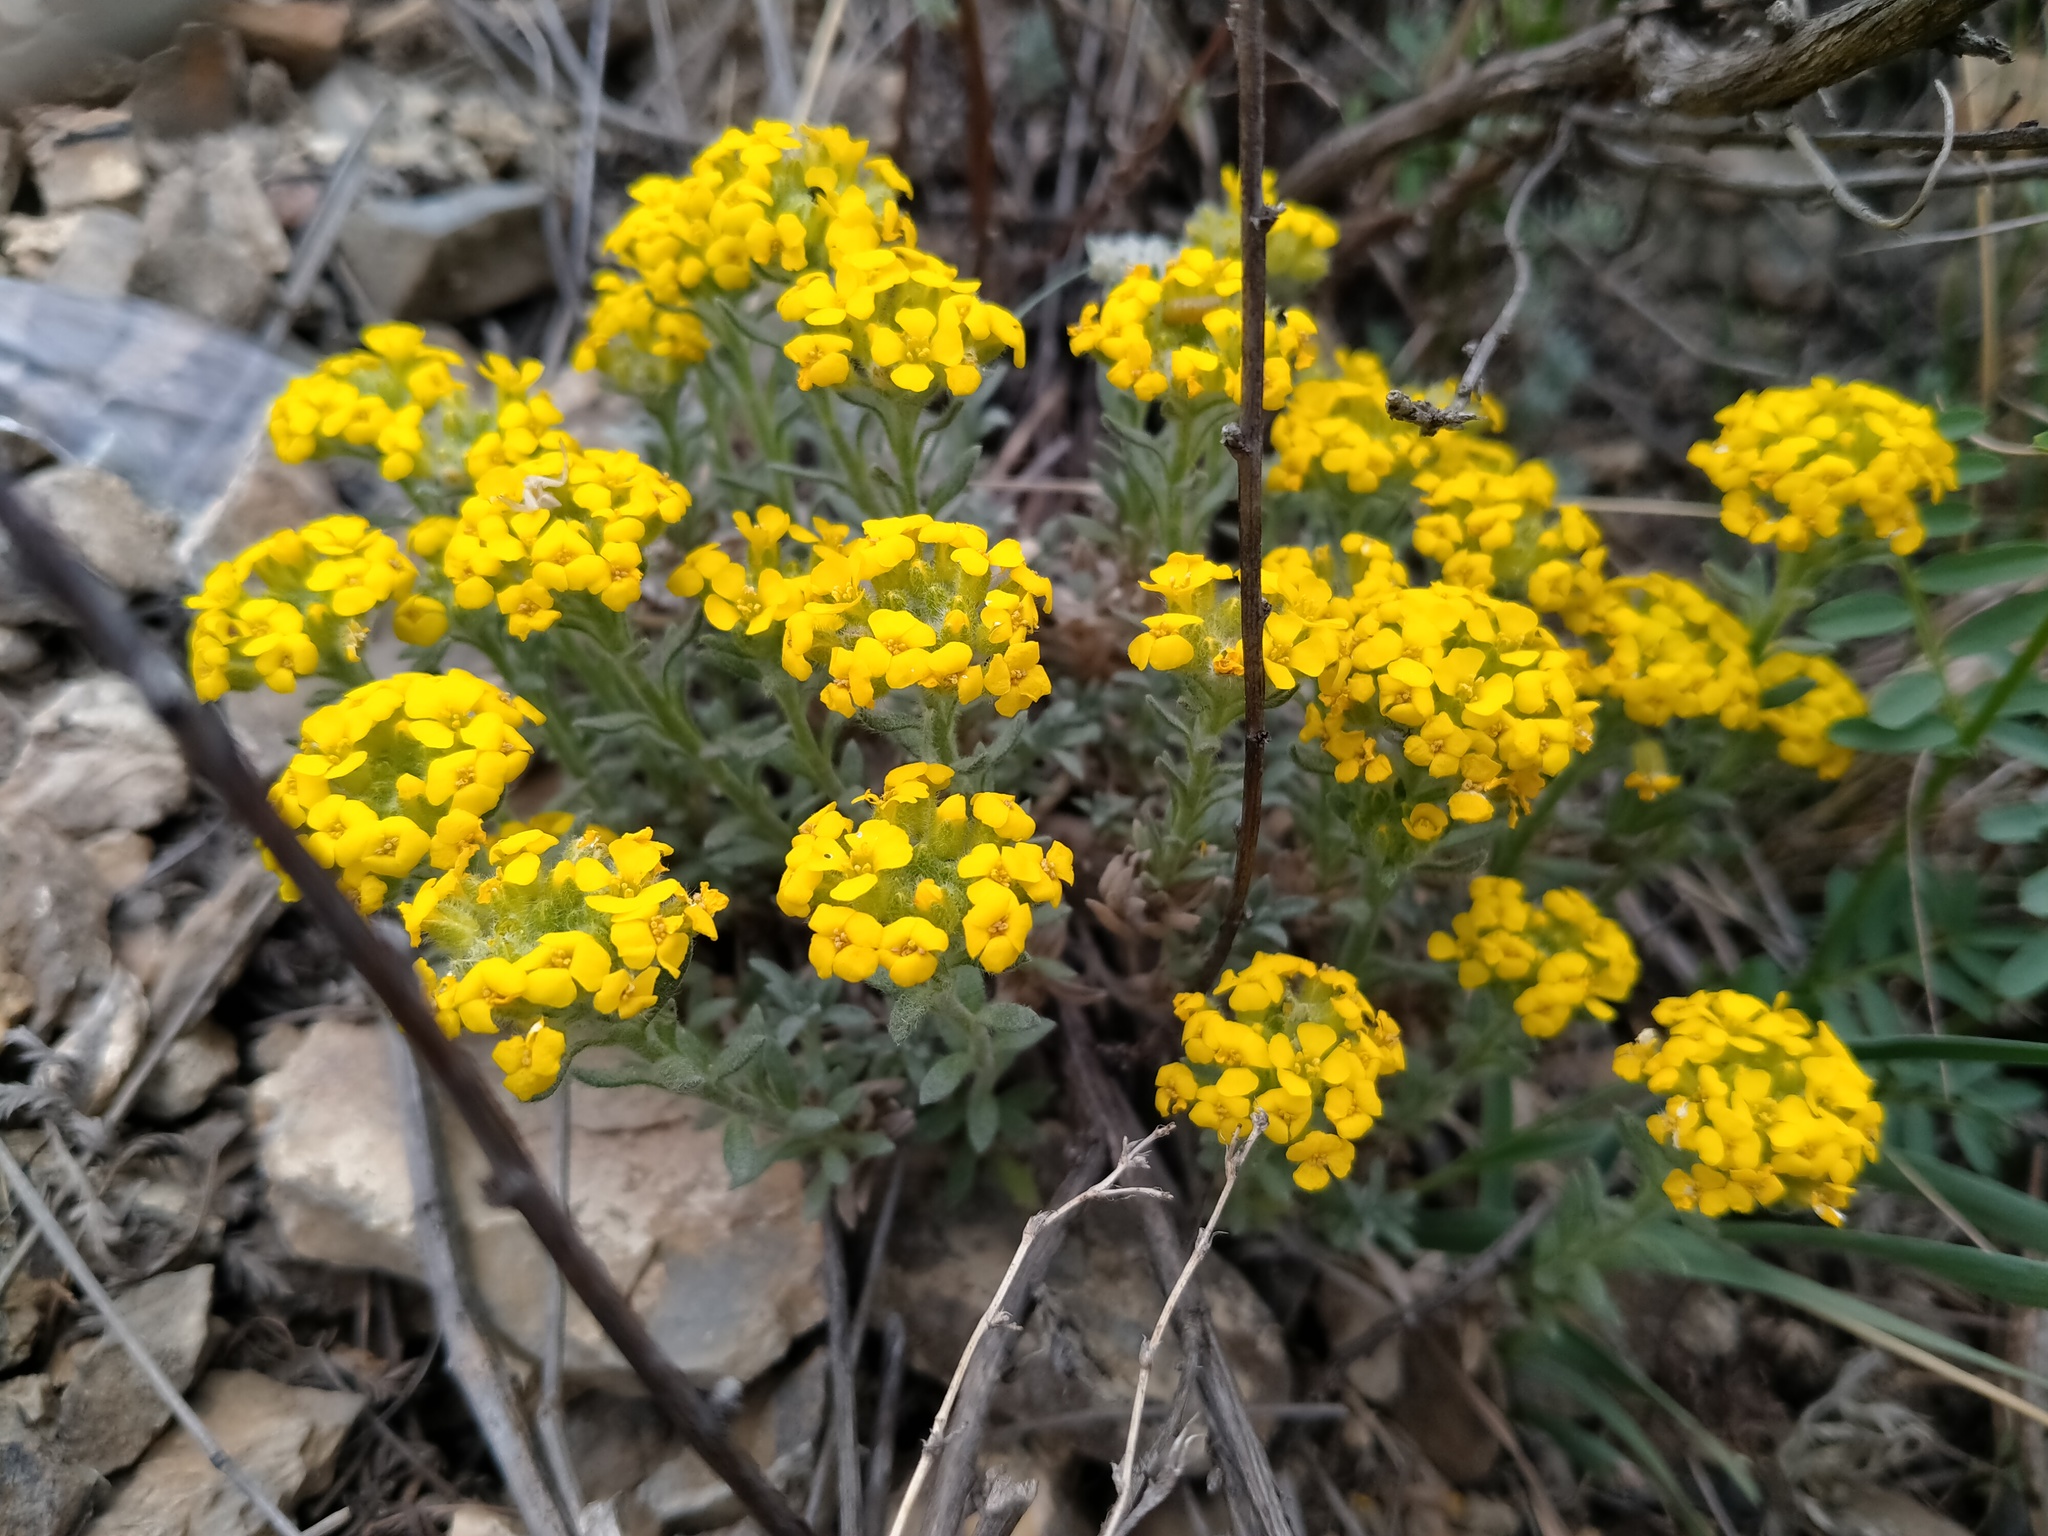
{"x":119,"y":642}
{"x":1127,"y":1473}
{"x":1853,"y":205}
{"x":1246,"y":440}
{"x":1106,"y":1188}
{"x":24,"y":1190}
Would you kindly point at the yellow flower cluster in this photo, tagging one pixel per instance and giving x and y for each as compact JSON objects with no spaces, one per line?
{"x":401,"y":772}
{"x":1297,"y":246}
{"x":1336,"y":432}
{"x":568,"y":520}
{"x":1772,"y":1107}
{"x":912,"y":603}
{"x":902,"y":318}
{"x":317,"y":587}
{"x":1791,"y":463}
{"x":1562,"y":956}
{"x":1304,"y":629}
{"x":770,"y":201}
{"x":1300,"y":1042}
{"x":1183,"y":329}
{"x":1802,"y":725}
{"x":1500,"y":530}
{"x":398,"y":401}
{"x":1483,"y":697}
{"x":1670,"y":651}
{"x":556,"y":931}
{"x":894,"y":891}
{"x":642,"y":347}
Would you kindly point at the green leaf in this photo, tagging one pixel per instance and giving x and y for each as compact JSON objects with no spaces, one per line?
{"x":2002,"y":1214}
{"x":2001,"y":1276}
{"x":2026,"y":972}
{"x":1951,"y":520}
{"x":812,"y":1120}
{"x":1790,"y":691}
{"x":1905,"y":699}
{"x":1974,"y":466}
{"x":984,"y":1118}
{"x":1961,"y":421}
{"x":2012,"y":1053}
{"x":907,"y":1013}
{"x":1863,"y":734}
{"x":2019,"y":560}
{"x":2024,"y":742}
{"x":2033,"y":894}
{"x":1999,"y":626}
{"x":745,"y":1158}
{"x":946,"y":1075}
{"x":2012,"y":823}
{"x":1859,"y":616}
{"x":1018,"y":1028}
{"x":1555,"y":1141}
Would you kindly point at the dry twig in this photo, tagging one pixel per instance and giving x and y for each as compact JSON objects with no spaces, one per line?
{"x":1853,"y":205}
{"x":210,"y":751}
{"x":994,"y":1316}
{"x":888,"y":1405}
{"x":548,"y":1424}
{"x":24,"y":1190}
{"x":840,"y":1353}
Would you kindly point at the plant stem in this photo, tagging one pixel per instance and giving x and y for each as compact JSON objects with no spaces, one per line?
{"x":1509,"y":852}
{"x":733,"y":347}
{"x":855,"y":473}
{"x":810,"y":752}
{"x":1497,"y":1122}
{"x":1787,"y":590}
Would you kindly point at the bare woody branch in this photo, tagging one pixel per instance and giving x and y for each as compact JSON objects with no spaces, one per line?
{"x":1650,"y":59}
{"x":514,"y":1181}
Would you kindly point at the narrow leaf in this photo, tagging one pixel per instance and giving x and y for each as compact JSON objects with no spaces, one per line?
{"x":1859,"y":616}
{"x":2026,"y":972}
{"x":1994,"y":565}
{"x":2001,"y":1276}
{"x":2011,"y":1053}
{"x":1863,"y":734}
{"x":1905,"y":699}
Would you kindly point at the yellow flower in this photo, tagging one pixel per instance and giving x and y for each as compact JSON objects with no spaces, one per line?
{"x":1772,"y":1107}
{"x":1791,"y":464}
{"x":531,"y":1062}
{"x":1299,"y":1041}
{"x":1297,"y":245}
{"x":1559,"y":957}
{"x":923,"y":868}
{"x":1802,"y":724}
{"x":1670,"y":652}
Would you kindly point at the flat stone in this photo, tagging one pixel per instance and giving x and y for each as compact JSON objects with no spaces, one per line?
{"x":305,"y":36}
{"x":198,"y":1062}
{"x":1079,"y":1351}
{"x":82,"y":155}
{"x":41,"y":1493}
{"x":96,"y":758}
{"x":19,"y":652}
{"x":285,"y":1438}
{"x":109,"y":1413}
{"x":54,"y":956}
{"x":482,"y":1520}
{"x":725,"y":1278}
{"x":197,"y":85}
{"x":101,"y":253}
{"x":123,"y":538}
{"x":450,"y":255}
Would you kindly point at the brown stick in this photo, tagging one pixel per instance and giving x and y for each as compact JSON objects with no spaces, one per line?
{"x":514,"y":1181}
{"x":1725,"y":82}
{"x":1246,"y":440}
{"x":981,"y":123}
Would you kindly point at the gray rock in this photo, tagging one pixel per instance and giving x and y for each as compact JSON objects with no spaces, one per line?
{"x":21,"y":1319}
{"x":1346,"y":1309}
{"x":120,"y":858}
{"x":54,"y":956}
{"x":201,"y":1060}
{"x":124,"y":539}
{"x":96,"y":758}
{"x":110,"y":1414}
{"x":213,"y":239}
{"x":779,"y":1432}
{"x":41,"y":1493}
{"x":13,"y":731}
{"x":19,"y":652}
{"x":100,"y":256}
{"x":197,"y":85}
{"x":285,"y":1438}
{"x":104,"y":1036}
{"x":264,"y":496}
{"x":451,"y":255}
{"x":82,"y":155}
{"x":482,"y":1520}
{"x":1079,"y":1351}
{"x":725,"y":1278}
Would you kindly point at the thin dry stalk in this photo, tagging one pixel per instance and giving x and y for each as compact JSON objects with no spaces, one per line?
{"x":981,"y":126}
{"x":888,"y":1406}
{"x":1941,"y":1202}
{"x":211,"y":754}
{"x":1246,"y":440}
{"x":477,"y":1368}
{"x":1127,"y":1472}
{"x":1108,"y":1187}
{"x":549,"y":1426}
{"x":822,"y":42}
{"x":24,"y":1190}
{"x":841,"y":1349}
{"x":1853,"y":205}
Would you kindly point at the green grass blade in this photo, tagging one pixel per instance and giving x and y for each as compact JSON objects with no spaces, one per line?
{"x":2010,"y":1053}
{"x":2023,"y":1282}
{"x":2001,"y":1213}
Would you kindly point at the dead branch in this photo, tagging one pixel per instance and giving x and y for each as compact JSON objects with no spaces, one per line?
{"x":549,"y":1426}
{"x":1130,"y":1160}
{"x":1127,"y":1477}
{"x":24,"y":1190}
{"x":888,"y":1404}
{"x":477,"y":1367}
{"x":1246,"y":440}
{"x":1005,"y":1504}
{"x":1853,"y":205}
{"x":120,"y":643}
{"x":840,"y":1352}
{"x":1664,"y":68}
